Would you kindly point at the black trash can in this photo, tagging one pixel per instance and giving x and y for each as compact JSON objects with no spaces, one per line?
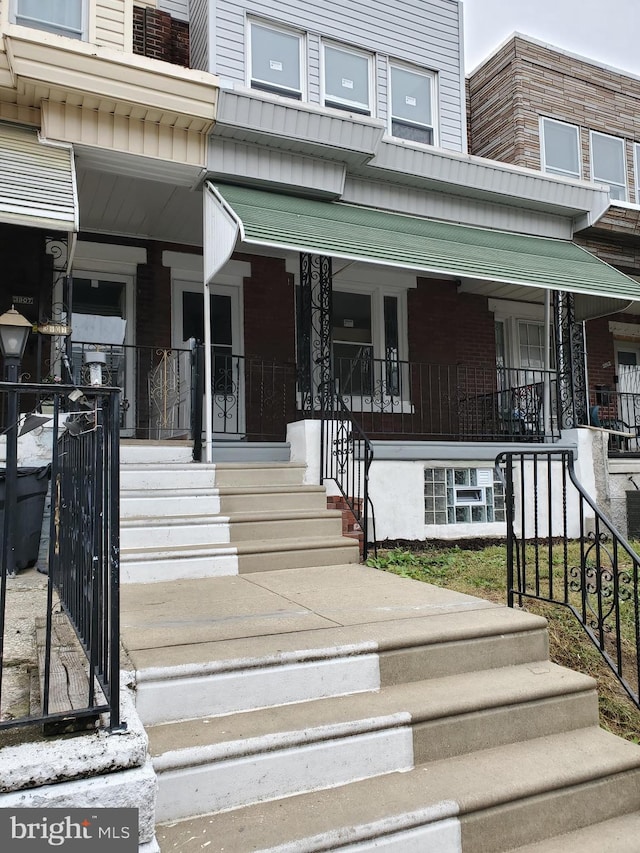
{"x":32,"y":485}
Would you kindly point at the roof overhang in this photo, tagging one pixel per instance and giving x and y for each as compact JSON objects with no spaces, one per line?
{"x":37,"y":181}
{"x":350,"y":232}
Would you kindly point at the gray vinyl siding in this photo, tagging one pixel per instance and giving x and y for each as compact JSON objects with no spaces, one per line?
{"x":424,"y":33}
{"x":176,"y":8}
{"x":199,"y":34}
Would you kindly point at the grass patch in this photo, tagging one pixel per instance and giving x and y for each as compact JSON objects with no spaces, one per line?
{"x":483,"y":573}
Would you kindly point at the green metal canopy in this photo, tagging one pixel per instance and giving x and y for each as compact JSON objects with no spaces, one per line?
{"x":410,"y":242}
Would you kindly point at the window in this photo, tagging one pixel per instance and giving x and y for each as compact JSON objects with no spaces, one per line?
{"x":608,"y":163}
{"x":352,"y":342}
{"x":412,"y":105}
{"x":462,"y":496}
{"x":560,"y":148}
{"x":347,"y":79}
{"x":57,"y":16}
{"x":366,"y":347}
{"x":275,"y":60}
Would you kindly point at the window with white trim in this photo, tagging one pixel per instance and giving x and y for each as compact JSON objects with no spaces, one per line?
{"x":462,"y":496}
{"x":368,"y":331}
{"x":608,"y":163}
{"x":412,"y":112}
{"x":347,"y":79}
{"x":275,"y":59}
{"x":560,"y":149}
{"x":65,"y":17}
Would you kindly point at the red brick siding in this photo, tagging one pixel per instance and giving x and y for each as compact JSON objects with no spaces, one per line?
{"x":350,"y":526}
{"x":159,"y":36}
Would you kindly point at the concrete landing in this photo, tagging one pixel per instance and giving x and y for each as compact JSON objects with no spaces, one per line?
{"x":197,"y":621}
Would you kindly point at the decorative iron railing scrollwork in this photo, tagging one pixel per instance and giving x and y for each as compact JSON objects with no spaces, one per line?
{"x":562,"y":549}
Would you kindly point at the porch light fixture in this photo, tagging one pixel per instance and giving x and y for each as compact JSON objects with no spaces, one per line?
{"x":14,"y":332}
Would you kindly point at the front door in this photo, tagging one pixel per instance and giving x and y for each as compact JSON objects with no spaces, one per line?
{"x":628,"y":372}
{"x":102,"y":308}
{"x":227,"y":360}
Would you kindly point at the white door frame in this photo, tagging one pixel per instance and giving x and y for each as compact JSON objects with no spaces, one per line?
{"x":187,"y":277}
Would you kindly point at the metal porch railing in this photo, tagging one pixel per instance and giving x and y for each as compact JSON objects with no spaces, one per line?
{"x":346,"y":455}
{"x":453,"y":402}
{"x":82,"y":588}
{"x":563,"y":550}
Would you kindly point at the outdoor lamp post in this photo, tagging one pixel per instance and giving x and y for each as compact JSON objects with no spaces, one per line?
{"x":14,"y":331}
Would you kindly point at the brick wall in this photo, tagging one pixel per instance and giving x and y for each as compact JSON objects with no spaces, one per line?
{"x":524,"y":81}
{"x":159,"y":36}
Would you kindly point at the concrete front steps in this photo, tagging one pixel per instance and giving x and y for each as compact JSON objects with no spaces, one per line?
{"x":182,"y":520}
{"x":440,"y":733}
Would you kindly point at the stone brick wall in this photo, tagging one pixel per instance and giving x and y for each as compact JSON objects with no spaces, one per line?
{"x":525,"y":80}
{"x":159,"y":36}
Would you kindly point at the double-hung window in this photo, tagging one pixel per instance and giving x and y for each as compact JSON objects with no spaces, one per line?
{"x":412,"y":113}
{"x":275,"y":60}
{"x":608,"y":163}
{"x":560,"y":148}
{"x":65,"y":17}
{"x":347,"y":79}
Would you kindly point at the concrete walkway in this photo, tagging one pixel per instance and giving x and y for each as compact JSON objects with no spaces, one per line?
{"x":198,"y":621}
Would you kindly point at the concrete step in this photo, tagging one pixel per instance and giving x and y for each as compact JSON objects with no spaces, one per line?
{"x":195,"y":530}
{"x":261,"y":498}
{"x":618,"y":835}
{"x":284,"y":524}
{"x":486,"y":801}
{"x":259,"y":474}
{"x":176,"y":560}
{"x":215,"y":764}
{"x":162,"y":534}
{"x":134,"y":451}
{"x":186,"y":660}
{"x":175,"y":475}
{"x":166,"y":477}
{"x":175,"y":563}
{"x":169,"y":502}
{"x":264,"y":555}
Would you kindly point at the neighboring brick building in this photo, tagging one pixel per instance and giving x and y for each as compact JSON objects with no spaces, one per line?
{"x":539,"y":107}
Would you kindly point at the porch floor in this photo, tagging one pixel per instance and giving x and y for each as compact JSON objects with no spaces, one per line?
{"x":187,"y":622}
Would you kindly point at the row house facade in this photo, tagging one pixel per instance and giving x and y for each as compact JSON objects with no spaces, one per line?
{"x":299,"y":206}
{"x":539,"y":107}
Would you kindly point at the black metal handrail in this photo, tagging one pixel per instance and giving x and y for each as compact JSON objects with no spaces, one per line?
{"x":84,"y":550}
{"x":562,"y":549}
{"x":346,"y":455}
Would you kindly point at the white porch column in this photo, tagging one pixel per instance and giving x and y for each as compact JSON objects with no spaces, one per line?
{"x":221,"y":231}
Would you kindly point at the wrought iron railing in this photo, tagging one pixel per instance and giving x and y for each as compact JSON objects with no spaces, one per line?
{"x":346,"y":455}
{"x":82,"y":588}
{"x":445,"y":401}
{"x":562,"y":549}
{"x":252,"y":398}
{"x":619,"y":412}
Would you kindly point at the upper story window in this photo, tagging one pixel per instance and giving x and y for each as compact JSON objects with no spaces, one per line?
{"x":560,"y":148}
{"x":275,"y":57}
{"x":64,"y":17}
{"x":412,"y":104}
{"x":347,"y":79}
{"x":608,"y":163}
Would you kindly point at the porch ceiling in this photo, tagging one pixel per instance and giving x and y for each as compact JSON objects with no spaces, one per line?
{"x":37,"y":181}
{"x":429,"y":246}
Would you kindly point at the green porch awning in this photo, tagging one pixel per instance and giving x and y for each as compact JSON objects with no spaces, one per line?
{"x":352,"y":232}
